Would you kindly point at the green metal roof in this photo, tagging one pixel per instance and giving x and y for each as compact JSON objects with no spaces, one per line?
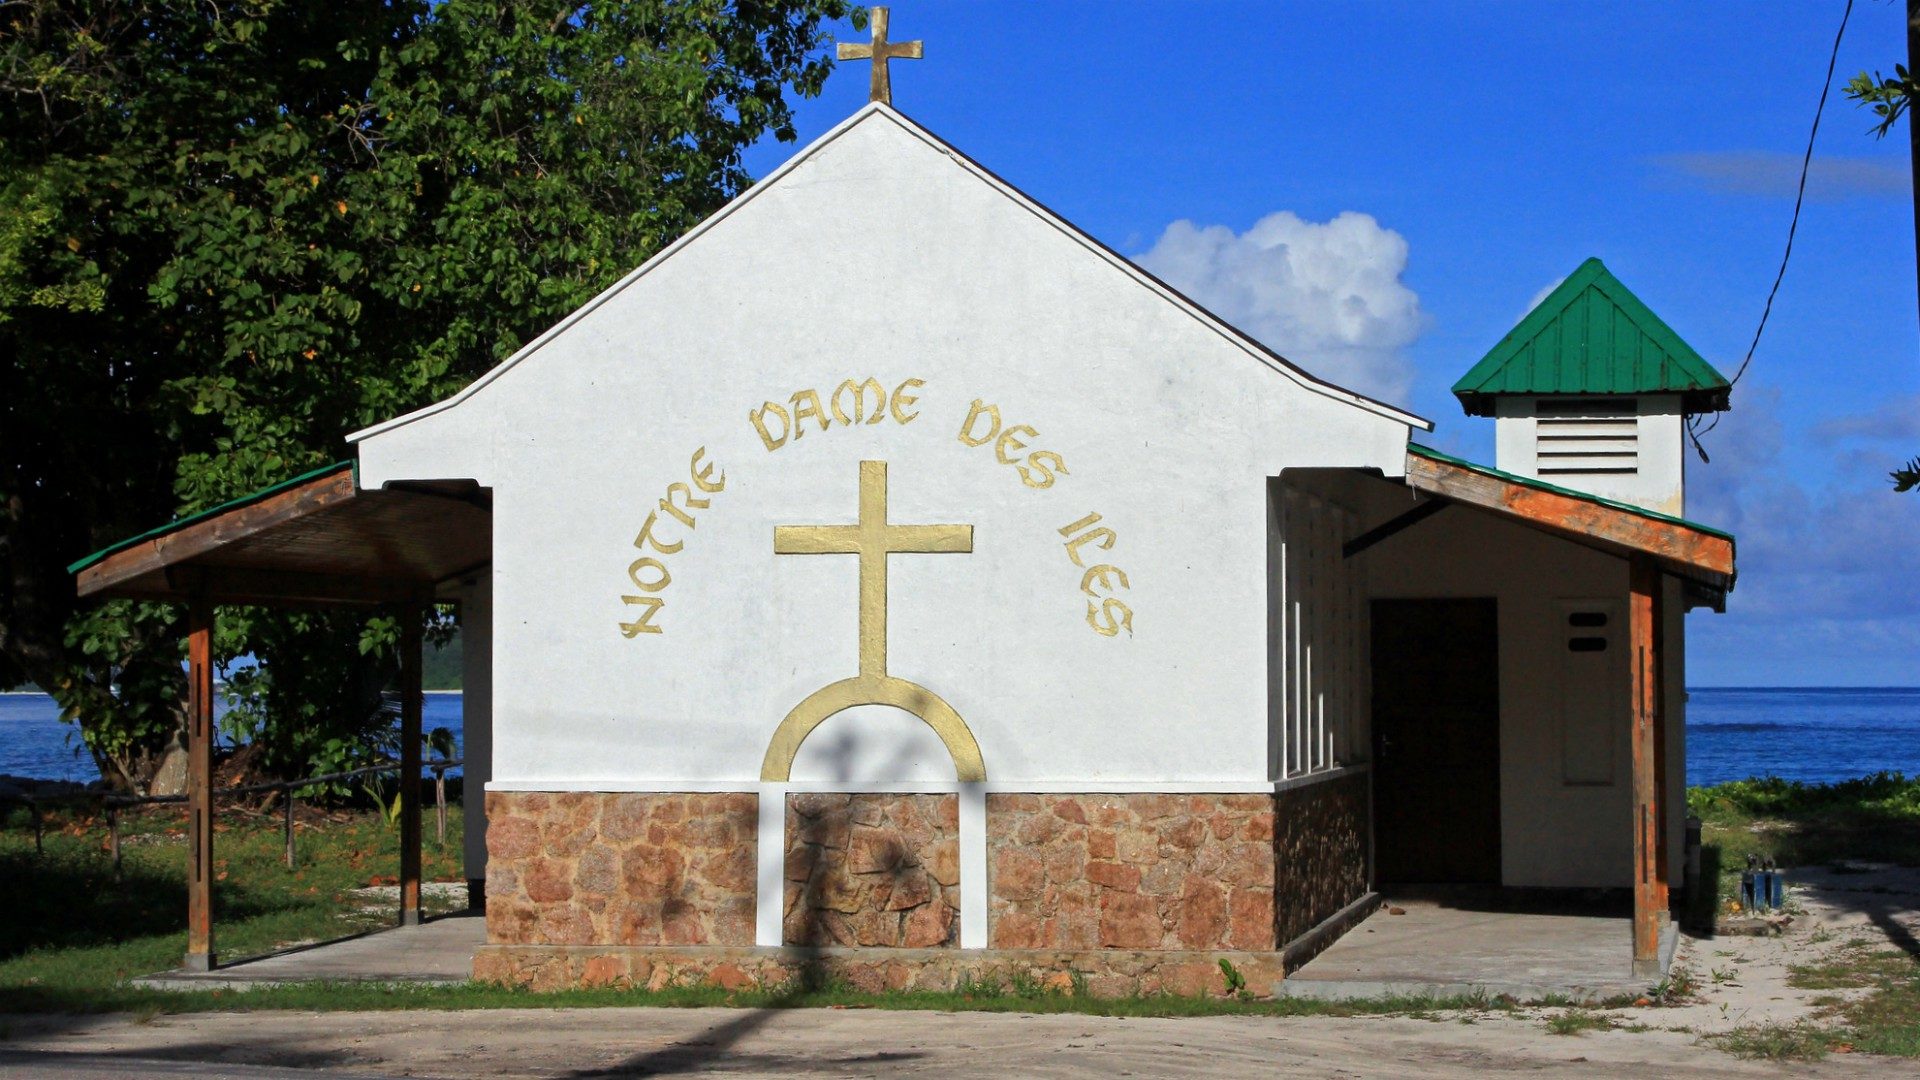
{"x":1592,"y":336}
{"x":1431,"y":454}
{"x":181,"y":523}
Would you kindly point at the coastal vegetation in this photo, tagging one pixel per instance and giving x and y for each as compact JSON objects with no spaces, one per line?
{"x":1843,"y":825}
{"x":1870,"y":819}
{"x":232,"y":232}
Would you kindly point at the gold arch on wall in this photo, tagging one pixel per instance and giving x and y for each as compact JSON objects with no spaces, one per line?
{"x":874,"y":690}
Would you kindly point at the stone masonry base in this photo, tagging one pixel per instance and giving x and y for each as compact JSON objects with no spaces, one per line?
{"x":1105,"y":973}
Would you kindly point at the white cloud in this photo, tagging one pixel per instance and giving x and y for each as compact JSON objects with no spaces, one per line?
{"x":1896,"y":420}
{"x":1545,"y":291}
{"x":1326,"y":295}
{"x":1777,"y":173}
{"x":1829,"y":572}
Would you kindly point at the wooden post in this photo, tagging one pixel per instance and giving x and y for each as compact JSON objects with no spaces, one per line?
{"x":410,"y":706}
{"x":200,"y":955}
{"x":440,"y":803}
{"x":287,"y":809}
{"x":1649,"y":875}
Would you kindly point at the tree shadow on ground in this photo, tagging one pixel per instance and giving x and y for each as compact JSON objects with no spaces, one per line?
{"x":719,"y":1044}
{"x":69,"y":900}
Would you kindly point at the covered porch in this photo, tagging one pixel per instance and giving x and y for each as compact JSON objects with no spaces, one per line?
{"x":1432,"y":944}
{"x":320,"y":540}
{"x":1520,"y":710}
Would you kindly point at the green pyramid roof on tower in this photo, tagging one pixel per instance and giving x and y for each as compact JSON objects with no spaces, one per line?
{"x":1592,"y":336}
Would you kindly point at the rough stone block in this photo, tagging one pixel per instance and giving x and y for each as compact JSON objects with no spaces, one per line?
{"x":858,"y":862}
{"x":620,"y":868}
{"x":1189,"y":863}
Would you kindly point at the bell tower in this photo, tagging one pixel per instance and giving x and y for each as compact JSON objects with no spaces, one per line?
{"x":1592,"y":391}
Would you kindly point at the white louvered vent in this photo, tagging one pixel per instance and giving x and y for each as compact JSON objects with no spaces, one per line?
{"x":1575,"y":436}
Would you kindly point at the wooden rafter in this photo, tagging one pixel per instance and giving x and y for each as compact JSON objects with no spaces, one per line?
{"x":180,"y":546}
{"x":315,"y":541}
{"x":1683,"y":549}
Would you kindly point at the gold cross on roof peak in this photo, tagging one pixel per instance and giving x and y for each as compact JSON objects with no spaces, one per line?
{"x":880,"y":52}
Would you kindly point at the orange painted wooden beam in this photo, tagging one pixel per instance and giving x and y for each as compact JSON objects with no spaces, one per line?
{"x":1644,"y":619}
{"x":1686,"y":549}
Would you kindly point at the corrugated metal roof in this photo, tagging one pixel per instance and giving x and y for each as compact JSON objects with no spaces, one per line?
{"x":231,"y":504}
{"x":1592,"y":336}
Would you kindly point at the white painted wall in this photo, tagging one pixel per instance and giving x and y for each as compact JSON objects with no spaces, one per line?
{"x":1660,"y":482}
{"x":878,"y":252}
{"x":1674,"y":643}
{"x":1319,"y":656}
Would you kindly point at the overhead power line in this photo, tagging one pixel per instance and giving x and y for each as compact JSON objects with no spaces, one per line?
{"x":1694,"y":430}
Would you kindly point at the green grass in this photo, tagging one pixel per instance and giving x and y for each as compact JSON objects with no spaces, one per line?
{"x":1872,"y":819}
{"x":1778,"y":1042}
{"x":1885,"y":1019}
{"x":1579,"y":1022}
{"x":73,"y":928}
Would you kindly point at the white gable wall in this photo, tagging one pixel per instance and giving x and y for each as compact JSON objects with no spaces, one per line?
{"x":879,"y":254}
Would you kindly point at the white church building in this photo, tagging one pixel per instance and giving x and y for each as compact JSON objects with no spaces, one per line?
{"x":889,"y":578}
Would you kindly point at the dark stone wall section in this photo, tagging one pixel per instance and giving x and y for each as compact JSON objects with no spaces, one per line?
{"x":1320,"y":852}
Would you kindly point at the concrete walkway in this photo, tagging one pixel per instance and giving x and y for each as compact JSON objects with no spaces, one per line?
{"x":437,"y":951}
{"x":1441,"y":950}
{"x":1432,"y":950}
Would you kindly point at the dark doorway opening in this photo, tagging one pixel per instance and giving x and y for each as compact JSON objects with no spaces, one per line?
{"x":1436,"y":742}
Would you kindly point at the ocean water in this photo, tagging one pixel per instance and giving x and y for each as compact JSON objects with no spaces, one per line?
{"x":1818,"y":734}
{"x":33,"y":741}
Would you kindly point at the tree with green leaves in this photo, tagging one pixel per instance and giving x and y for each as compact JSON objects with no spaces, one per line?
{"x":232,"y":231}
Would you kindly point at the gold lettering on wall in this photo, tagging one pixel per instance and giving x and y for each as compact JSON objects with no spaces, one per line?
{"x":1107,"y":614}
{"x":649,"y":574}
{"x":865,"y":402}
{"x":982,"y":426}
{"x":860,"y":410}
{"x":901,"y":399}
{"x":778,"y":424}
{"x":807,"y":403}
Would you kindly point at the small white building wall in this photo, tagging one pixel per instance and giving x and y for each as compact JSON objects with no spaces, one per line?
{"x":1674,"y":700}
{"x":1318,"y":659}
{"x":878,"y":254}
{"x":1659,"y":484}
{"x":1554,"y":833}
{"x":1551,"y":833}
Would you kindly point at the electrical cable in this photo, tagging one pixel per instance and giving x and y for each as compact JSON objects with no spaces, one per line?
{"x":1694,"y":430}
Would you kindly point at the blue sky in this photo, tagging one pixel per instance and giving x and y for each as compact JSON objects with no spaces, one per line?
{"x":1439,"y":166}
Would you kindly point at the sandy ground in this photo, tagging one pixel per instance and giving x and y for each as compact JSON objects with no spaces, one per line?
{"x":644,"y":1042}
{"x":1741,"y":981}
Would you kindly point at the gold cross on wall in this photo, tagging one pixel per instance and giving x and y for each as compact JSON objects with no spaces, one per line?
{"x":880,"y":52}
{"x":873,"y":539}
